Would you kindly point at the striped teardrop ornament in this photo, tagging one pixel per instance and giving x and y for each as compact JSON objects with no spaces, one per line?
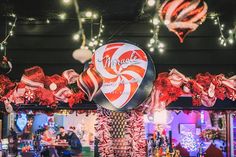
{"x":183,"y":16}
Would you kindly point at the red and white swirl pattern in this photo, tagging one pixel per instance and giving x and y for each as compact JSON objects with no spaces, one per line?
{"x":183,"y":16}
{"x":70,"y":75}
{"x":89,"y":82}
{"x":123,"y":67}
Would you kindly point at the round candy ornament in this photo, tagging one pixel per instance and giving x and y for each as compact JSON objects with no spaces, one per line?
{"x":128,"y":73}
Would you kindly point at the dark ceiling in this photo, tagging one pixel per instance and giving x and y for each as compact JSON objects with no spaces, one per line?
{"x":51,"y":45}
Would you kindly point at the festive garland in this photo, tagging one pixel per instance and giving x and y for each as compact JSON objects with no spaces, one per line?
{"x":103,"y":132}
{"x":205,"y":89}
{"x":135,"y":133}
{"x":35,"y":87}
{"x":210,"y":134}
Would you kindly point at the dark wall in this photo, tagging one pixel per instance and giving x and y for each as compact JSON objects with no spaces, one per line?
{"x":51,"y":46}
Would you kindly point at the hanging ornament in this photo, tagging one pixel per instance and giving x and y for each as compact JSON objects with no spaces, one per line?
{"x":90,"y":82}
{"x":82,"y":54}
{"x":183,"y":16}
{"x":8,"y":106}
{"x":5,"y":66}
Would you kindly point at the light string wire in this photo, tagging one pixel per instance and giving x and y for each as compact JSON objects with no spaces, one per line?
{"x":224,"y":41}
{"x":3,"y":43}
{"x":155,"y":43}
{"x":95,"y":40}
{"x":81,"y":30}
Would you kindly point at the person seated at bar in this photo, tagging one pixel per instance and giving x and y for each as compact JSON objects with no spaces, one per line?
{"x":74,"y":142}
{"x":47,"y":136}
{"x":62,"y":135}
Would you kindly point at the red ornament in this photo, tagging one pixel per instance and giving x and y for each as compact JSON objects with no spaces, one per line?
{"x":90,"y":82}
{"x":183,"y":16}
{"x":5,"y":66}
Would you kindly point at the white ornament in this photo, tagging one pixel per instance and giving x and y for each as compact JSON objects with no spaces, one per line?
{"x":82,"y":55}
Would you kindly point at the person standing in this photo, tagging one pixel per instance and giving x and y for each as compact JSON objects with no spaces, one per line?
{"x":74,"y":142}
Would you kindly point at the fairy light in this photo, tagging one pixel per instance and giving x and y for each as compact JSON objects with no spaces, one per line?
{"x":154,"y":42}
{"x":76,"y":37}
{"x":10,"y":32}
{"x":151,"y":3}
{"x":88,"y":14}
{"x":224,"y":41}
{"x":62,"y":16}
{"x":96,"y":40}
{"x":66,"y":1}
{"x":47,"y":21}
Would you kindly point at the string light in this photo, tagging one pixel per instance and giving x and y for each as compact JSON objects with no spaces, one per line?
{"x":66,"y":1}
{"x":47,"y":21}
{"x":155,"y":43}
{"x":88,"y":14}
{"x":10,"y":33}
{"x":96,"y":40}
{"x":62,"y":16}
{"x":151,"y":3}
{"x":76,"y":37}
{"x":222,"y":39}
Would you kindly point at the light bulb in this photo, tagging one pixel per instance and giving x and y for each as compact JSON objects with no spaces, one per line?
{"x":152,"y":40}
{"x":66,"y":1}
{"x":76,"y":37}
{"x":88,"y":14}
{"x":151,"y":3}
{"x":161,"y":50}
{"x":95,"y":16}
{"x":230,"y":31}
{"x":62,"y":16}
{"x":151,"y":49}
{"x":161,"y":45}
{"x":90,"y":44}
{"x":10,"y":23}
{"x":11,"y":33}
{"x":95,"y":42}
{"x":151,"y":31}
{"x":1,"y":47}
{"x":155,"y":21}
{"x":231,"y":40}
{"x":47,"y":21}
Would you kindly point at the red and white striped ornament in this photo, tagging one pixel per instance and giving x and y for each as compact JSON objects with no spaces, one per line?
{"x":183,"y":16}
{"x":90,"y":82}
{"x":70,"y":75}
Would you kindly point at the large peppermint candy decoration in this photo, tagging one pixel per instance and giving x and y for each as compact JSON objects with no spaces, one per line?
{"x":128,"y":74}
{"x":183,"y":16}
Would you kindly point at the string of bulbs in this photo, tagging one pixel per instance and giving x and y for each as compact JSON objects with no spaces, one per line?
{"x":155,"y":43}
{"x":80,"y":34}
{"x":223,"y":40}
{"x":10,"y":33}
